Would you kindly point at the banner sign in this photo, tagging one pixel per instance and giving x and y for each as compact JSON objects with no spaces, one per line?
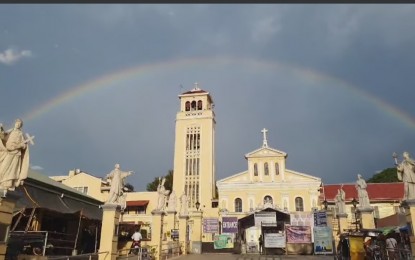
{"x":210,"y":225}
{"x":222,"y":241}
{"x":298,"y":234}
{"x":323,"y":240}
{"x":320,"y":218}
{"x":265,"y":217}
{"x":302,"y":219}
{"x":229,"y":225}
{"x":274,"y":240}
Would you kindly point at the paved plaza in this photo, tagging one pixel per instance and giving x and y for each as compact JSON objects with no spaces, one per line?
{"x":249,"y":257}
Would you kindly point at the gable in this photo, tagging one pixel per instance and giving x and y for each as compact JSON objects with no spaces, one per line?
{"x":236,"y":178}
{"x":293,"y":176}
{"x":265,"y":152}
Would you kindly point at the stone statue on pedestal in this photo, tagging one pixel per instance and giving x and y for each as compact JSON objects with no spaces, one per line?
{"x":14,"y":156}
{"x":162,"y":195}
{"x":362,"y":192}
{"x":340,"y":200}
{"x":184,"y":201}
{"x":406,"y":173}
{"x":117,"y":178}
{"x":172,"y":202}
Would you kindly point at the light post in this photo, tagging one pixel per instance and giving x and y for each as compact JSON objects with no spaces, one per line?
{"x":197,"y":204}
{"x":355,"y":202}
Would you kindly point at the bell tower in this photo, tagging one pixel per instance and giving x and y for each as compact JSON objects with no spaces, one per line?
{"x":194,"y":148}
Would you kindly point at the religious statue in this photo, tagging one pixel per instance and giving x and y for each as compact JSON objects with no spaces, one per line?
{"x":117,"y":178}
{"x":14,"y":156}
{"x":184,"y":203}
{"x":162,"y":194}
{"x":361,"y":187}
{"x":172,"y":202}
{"x":406,"y":173}
{"x":340,"y":200}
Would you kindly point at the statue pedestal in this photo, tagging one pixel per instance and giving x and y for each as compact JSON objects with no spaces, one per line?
{"x":343,"y":225}
{"x":7,"y":204}
{"x":366,"y":217}
{"x":183,"y":235}
{"x":196,"y":234}
{"x":329,"y":216}
{"x":157,"y":230}
{"x":170,"y":220}
{"x":409,"y":206}
{"x":109,"y":231}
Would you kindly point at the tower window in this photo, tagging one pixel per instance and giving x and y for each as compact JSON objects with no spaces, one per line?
{"x":199,"y":105}
{"x":238,"y":205}
{"x":299,"y":205}
{"x":277,"y":169}
{"x":187,"y":106}
{"x":266,"y":170}
{"x":193,"y":105}
{"x":255,"y":169}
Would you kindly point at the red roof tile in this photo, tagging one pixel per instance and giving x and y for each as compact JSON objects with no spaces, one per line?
{"x":377,"y":191}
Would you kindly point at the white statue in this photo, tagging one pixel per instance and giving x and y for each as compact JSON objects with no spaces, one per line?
{"x":117,"y":185}
{"x":184,"y":203}
{"x":14,"y":156}
{"x":162,"y":194}
{"x":406,"y":173}
{"x":172,"y":202}
{"x":361,"y":187}
{"x":340,"y":200}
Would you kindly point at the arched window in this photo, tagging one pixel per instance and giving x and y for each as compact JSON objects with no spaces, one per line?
{"x":277,"y":169}
{"x":267,"y":200}
{"x":299,"y":206}
{"x":199,"y":105}
{"x":266,"y":170}
{"x":193,"y":105}
{"x":255,"y":169}
{"x":187,"y":106}
{"x":238,"y":205}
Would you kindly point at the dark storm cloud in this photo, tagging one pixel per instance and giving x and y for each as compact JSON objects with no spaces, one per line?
{"x":327,"y":129}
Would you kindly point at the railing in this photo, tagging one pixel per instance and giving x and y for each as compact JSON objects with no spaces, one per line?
{"x":142,"y":253}
{"x":399,"y":253}
{"x":172,"y":250}
{"x":92,"y":256}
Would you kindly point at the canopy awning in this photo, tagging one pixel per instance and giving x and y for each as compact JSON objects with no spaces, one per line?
{"x":137,"y":203}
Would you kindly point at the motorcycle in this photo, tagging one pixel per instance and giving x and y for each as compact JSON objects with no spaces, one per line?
{"x":135,"y":247}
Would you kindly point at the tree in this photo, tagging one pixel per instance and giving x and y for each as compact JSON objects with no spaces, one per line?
{"x":152,"y":186}
{"x":129,"y":186}
{"x":387,"y":175}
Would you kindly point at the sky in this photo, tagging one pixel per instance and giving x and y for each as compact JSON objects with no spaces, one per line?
{"x":98,"y":84}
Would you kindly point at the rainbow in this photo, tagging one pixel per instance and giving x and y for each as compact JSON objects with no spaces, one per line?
{"x":125,"y":74}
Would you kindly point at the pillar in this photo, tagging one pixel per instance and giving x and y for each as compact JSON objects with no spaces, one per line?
{"x":366,"y":218}
{"x":170,"y":223}
{"x":109,"y":231}
{"x":329,"y":217}
{"x":196,"y":234}
{"x":343,"y":225}
{"x":183,"y":239}
{"x":157,"y":231}
{"x":409,"y":206}
{"x":7,"y":203}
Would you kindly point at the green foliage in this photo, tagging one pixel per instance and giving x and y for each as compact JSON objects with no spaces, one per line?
{"x":129,"y":186}
{"x":387,"y":175}
{"x":152,"y":186}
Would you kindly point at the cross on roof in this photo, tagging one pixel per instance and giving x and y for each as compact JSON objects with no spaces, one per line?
{"x":196,"y":86}
{"x":264,"y":132}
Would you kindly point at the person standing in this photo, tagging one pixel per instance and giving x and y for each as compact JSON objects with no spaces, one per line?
{"x":261,"y":243}
{"x":391,"y":246}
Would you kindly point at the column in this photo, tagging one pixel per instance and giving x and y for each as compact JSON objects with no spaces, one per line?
{"x":409,"y":206}
{"x":183,"y":239}
{"x":366,"y":218}
{"x":157,"y":231}
{"x":170,"y":221}
{"x":196,"y":234}
{"x":109,"y":231}
{"x":343,"y":225}
{"x":7,"y":204}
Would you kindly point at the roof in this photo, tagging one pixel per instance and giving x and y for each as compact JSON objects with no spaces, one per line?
{"x":376,"y":191}
{"x":137,"y":203}
{"x":194,"y":92}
